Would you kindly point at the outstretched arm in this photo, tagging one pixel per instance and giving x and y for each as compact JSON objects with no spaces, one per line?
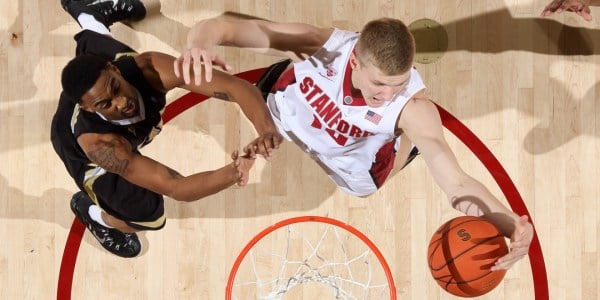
{"x":159,"y":66}
{"x":294,"y":40}
{"x":114,"y":154}
{"x":420,"y":121}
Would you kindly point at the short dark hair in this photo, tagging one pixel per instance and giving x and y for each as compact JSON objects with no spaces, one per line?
{"x":388,"y":45}
{"x":81,"y":73}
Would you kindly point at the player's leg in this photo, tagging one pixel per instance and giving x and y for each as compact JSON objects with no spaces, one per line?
{"x":125,"y":206}
{"x":113,"y":240}
{"x":95,"y":18}
{"x":113,"y":209}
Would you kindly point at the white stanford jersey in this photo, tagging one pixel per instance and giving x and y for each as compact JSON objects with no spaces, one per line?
{"x":317,"y":112}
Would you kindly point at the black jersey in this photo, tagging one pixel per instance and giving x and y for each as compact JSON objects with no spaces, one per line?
{"x":69,"y":122}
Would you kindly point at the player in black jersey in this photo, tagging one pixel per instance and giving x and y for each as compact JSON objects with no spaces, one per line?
{"x":111,"y":106}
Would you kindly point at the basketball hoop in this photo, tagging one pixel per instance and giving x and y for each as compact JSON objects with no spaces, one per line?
{"x":310,"y":256}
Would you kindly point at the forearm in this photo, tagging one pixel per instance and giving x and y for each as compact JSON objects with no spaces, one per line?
{"x":294,"y":40}
{"x":250,"y":100}
{"x":212,"y":32}
{"x":161,"y":179}
{"x":474,"y":199}
{"x":203,"y":184}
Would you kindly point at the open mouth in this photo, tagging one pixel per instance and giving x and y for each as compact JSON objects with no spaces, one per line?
{"x":378,"y":101}
{"x":129,"y":109}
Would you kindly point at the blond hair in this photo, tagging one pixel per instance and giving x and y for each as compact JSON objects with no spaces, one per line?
{"x":386,"y":44}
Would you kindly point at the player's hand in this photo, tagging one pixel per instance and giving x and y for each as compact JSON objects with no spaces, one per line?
{"x":580,"y":7}
{"x":264,"y":145}
{"x":519,"y":245}
{"x":241,"y":167}
{"x":197,"y":60}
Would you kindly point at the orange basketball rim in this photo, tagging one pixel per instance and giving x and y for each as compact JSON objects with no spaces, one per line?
{"x":308,"y":250}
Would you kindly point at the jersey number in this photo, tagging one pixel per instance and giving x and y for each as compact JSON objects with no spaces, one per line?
{"x":337,"y":137}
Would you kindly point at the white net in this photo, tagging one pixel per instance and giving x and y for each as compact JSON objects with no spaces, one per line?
{"x":310,"y":260}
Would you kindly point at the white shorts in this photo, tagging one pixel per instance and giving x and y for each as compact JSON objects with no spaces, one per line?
{"x":355,"y":183}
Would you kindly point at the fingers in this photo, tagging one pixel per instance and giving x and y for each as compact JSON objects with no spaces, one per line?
{"x":177,"y":67}
{"x":250,"y":150}
{"x":186,"y":66}
{"x":243,"y":178}
{"x":217,"y":61}
{"x":585,"y":13}
{"x":181,"y":66}
{"x":516,"y":252}
{"x":555,"y":6}
{"x":551,"y":7}
{"x":558,"y":6}
{"x":519,"y":246}
{"x":202,"y":56}
{"x":197,"y":61}
{"x":524,"y":219}
{"x":508,"y":260}
{"x":263,"y":145}
{"x":269,"y":142}
{"x":243,"y":166}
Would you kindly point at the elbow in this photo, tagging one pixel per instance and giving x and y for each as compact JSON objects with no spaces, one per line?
{"x":181,"y":197}
{"x":212,"y":27}
{"x":187,"y":197}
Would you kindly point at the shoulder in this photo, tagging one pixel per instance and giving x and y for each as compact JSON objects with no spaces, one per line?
{"x":156,"y":68}
{"x":145,"y":60}
{"x":420,"y":115}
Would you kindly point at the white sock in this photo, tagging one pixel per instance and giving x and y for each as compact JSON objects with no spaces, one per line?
{"x":88,"y":21}
{"x":96,"y":215}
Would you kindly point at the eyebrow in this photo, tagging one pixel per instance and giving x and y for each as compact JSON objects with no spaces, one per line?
{"x":111,"y":83}
{"x":399,"y":84}
{"x":109,"y":87}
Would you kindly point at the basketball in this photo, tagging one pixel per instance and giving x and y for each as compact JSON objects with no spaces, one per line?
{"x":461,"y":253}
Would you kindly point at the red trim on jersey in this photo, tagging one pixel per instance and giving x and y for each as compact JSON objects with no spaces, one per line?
{"x":288,"y":77}
{"x":356,"y":101}
{"x":384,"y":162}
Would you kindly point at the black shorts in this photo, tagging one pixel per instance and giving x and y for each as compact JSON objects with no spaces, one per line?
{"x":268,"y":79}
{"x":140,"y":208}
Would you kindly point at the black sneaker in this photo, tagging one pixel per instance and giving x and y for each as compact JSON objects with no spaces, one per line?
{"x":113,"y":240}
{"x":106,"y":12}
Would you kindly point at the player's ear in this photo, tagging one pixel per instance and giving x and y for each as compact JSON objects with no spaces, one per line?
{"x":114,"y":68}
{"x":83,"y":104}
{"x":354,"y":63}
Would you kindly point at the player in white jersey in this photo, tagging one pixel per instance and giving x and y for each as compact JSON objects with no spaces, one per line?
{"x":346,"y":99}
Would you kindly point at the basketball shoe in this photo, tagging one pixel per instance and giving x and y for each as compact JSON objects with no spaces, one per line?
{"x":113,"y":240}
{"x":106,"y":12}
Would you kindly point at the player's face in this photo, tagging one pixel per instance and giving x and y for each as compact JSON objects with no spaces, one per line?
{"x":112,"y":96}
{"x":376,"y":88}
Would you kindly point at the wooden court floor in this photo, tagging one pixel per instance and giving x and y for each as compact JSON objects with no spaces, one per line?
{"x":526,"y":87}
